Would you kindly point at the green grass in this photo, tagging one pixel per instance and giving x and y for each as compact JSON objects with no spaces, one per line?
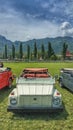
{"x":54,"y":121}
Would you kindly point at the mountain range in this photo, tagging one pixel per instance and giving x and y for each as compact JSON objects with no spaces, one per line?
{"x":57,"y":44}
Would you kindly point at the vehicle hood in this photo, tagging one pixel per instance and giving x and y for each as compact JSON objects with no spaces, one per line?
{"x":22,"y":80}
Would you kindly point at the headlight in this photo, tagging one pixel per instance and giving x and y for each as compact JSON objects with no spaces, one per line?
{"x":13,"y":101}
{"x":56,"y":101}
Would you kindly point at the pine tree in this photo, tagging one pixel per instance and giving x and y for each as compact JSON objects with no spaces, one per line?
{"x":20,"y":51}
{"x":42,"y":51}
{"x":50,"y":51}
{"x":35,"y":51}
{"x":28,"y":52}
{"x":65,"y":46}
{"x":5,"y":55}
{"x":13,"y":51}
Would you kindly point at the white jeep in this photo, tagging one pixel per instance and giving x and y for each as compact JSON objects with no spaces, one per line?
{"x":35,"y":94}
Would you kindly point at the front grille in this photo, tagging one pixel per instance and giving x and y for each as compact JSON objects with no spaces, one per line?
{"x":35,"y":101}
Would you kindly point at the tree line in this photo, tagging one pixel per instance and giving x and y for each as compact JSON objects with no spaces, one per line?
{"x":43,"y":54}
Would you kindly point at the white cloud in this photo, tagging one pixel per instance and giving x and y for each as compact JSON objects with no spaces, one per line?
{"x":65,"y":25}
{"x":68,"y":32}
{"x":45,"y":5}
{"x":66,"y":29}
{"x":14,"y":27}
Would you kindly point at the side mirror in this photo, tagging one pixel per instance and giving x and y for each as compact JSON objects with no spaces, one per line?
{"x":56,"y":77}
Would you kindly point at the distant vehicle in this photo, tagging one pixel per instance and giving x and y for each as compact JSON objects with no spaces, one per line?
{"x":6,"y":77}
{"x":34,"y":93}
{"x":66,"y":78}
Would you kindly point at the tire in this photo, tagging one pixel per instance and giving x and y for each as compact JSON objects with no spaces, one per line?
{"x":10,"y":83}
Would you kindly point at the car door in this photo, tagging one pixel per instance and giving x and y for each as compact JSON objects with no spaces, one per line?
{"x":68,"y":81}
{"x":3,"y":79}
{"x":70,"y":84}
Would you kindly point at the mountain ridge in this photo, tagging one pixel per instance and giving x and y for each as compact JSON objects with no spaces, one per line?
{"x":56,"y":43}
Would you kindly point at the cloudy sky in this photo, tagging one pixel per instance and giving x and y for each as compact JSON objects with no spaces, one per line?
{"x":28,"y":19}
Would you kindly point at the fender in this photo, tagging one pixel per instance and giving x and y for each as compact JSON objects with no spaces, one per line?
{"x":60,"y":78}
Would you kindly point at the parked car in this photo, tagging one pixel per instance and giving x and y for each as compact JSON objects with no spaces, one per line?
{"x":6,"y":77}
{"x":35,"y":94}
{"x":66,"y":78}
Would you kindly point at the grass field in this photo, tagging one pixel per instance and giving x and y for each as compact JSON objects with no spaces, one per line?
{"x":55,"y":121}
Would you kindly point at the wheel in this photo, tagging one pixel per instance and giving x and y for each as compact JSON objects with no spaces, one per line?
{"x":10,"y":83}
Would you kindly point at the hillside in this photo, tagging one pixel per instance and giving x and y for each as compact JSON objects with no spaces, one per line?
{"x":4,"y":41}
{"x":56,"y":43}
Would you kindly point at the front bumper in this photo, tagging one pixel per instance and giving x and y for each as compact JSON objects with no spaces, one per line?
{"x":26,"y":110}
